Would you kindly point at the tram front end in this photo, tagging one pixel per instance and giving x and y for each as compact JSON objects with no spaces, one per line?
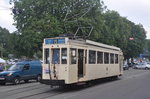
{"x":55,"y":61}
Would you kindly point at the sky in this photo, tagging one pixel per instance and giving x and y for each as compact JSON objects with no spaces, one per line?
{"x":137,"y":11}
{"x":6,"y":19}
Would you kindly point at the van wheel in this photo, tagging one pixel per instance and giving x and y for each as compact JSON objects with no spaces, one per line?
{"x":39,"y":77}
{"x":16,"y":81}
{"x":26,"y":81}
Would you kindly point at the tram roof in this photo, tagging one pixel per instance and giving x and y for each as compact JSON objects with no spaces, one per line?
{"x":102,"y":45}
{"x":87,"y":42}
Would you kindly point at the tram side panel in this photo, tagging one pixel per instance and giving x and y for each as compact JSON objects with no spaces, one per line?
{"x":113,"y":70}
{"x":71,"y":68}
{"x":72,"y":74}
{"x":102,"y":71}
{"x":73,"y":63}
{"x":96,"y":71}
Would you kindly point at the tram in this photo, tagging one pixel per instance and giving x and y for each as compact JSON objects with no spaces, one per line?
{"x":72,"y":61}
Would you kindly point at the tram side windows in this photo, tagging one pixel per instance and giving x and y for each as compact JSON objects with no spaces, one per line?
{"x":112,"y":58}
{"x":64,"y":56}
{"x":106,"y":58}
{"x":46,"y":56}
{"x":73,"y":56}
{"x":99,"y":57}
{"x":116,"y":58}
{"x":92,"y":57}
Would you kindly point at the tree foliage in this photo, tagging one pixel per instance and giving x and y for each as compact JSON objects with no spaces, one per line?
{"x":38,"y":19}
{"x":5,"y":44}
{"x":120,"y":30}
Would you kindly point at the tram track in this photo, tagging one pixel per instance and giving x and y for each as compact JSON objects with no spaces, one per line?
{"x":35,"y":90}
{"x":20,"y":90}
{"x":42,"y":95}
{"x":19,"y":86}
{"x":62,"y":92}
{"x":51,"y":93}
{"x":15,"y":93}
{"x":14,"y":87}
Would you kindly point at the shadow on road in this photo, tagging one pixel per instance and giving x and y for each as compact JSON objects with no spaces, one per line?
{"x":21,"y":83}
{"x":89,"y":84}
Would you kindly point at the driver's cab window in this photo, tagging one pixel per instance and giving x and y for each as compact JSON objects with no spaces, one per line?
{"x":26,"y":67}
{"x":55,"y":56}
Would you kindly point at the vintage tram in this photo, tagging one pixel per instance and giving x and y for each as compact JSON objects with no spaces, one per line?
{"x":73,"y":60}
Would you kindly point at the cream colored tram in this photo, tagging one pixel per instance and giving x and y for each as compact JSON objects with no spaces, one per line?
{"x":73,"y":61}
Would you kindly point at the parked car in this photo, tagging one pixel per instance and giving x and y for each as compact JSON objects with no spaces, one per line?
{"x":131,"y":64}
{"x":125,"y":67}
{"x":148,"y":63}
{"x":142,"y":66}
{"x":25,"y":70}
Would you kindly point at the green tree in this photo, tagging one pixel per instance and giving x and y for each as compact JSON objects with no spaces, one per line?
{"x":118,"y":32}
{"x":38,"y":19}
{"x":5,"y":46}
{"x":135,"y":46}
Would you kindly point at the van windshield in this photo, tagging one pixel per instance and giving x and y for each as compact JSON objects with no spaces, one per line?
{"x":15,"y":67}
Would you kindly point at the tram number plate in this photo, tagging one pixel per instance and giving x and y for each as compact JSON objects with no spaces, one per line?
{"x":47,"y":71}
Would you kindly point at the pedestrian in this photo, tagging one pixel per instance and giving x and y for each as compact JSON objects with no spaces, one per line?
{"x":1,"y":67}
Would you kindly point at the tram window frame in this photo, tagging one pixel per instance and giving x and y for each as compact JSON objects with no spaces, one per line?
{"x":85,"y":57}
{"x":46,"y":56}
{"x":92,"y":57}
{"x":112,"y":61}
{"x":54,"y":57}
{"x":73,"y":56}
{"x":116,"y":58}
{"x":106,"y":57}
{"x":99,"y":57}
{"x":64,"y":56}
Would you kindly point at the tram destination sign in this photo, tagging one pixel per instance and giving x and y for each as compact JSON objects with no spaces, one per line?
{"x":55,"y":41}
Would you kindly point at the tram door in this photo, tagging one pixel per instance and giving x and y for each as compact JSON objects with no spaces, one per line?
{"x":80,"y":62}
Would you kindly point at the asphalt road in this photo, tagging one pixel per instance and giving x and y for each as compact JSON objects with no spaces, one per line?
{"x":134,"y":84}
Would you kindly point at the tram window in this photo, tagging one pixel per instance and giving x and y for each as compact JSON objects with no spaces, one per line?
{"x":64,"y":56}
{"x":106,"y":58}
{"x":92,"y":57}
{"x":99,"y":57}
{"x":73,"y":56}
{"x":116,"y":58}
{"x":46,"y":54}
{"x":56,"y":56}
{"x":112,"y":58}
